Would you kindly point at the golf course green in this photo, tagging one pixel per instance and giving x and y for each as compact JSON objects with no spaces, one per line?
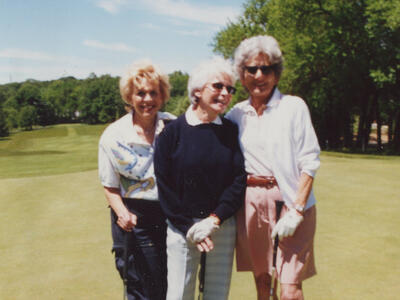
{"x":55,"y":236}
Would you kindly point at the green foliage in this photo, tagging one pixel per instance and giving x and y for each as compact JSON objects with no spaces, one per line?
{"x":341,"y":56}
{"x":100,"y":101}
{"x":27,"y":117}
{"x":177,"y":105}
{"x":3,"y":123}
{"x":178,"y":82}
{"x":179,"y":101}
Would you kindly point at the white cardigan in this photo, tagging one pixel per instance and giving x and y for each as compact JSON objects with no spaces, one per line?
{"x":281,"y":140}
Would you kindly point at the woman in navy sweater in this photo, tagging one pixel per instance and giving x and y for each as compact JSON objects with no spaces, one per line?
{"x":201,"y":182}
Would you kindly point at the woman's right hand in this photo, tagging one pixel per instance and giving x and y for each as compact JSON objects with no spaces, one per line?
{"x":127,"y":220}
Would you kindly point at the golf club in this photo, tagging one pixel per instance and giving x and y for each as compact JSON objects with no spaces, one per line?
{"x":125,"y":269}
{"x":202,"y":274}
{"x":278,"y":209}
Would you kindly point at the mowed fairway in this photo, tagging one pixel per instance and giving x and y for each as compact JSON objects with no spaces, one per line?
{"x":55,"y":236}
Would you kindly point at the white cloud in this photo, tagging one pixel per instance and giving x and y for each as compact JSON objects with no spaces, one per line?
{"x":111,"y":6}
{"x":16,"y":53}
{"x":120,"y":47}
{"x":193,"y":32}
{"x":150,"y":26}
{"x":213,"y":14}
{"x":204,"y":13}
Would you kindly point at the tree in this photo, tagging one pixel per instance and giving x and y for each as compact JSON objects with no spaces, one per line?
{"x":3,"y":123}
{"x":335,"y":51}
{"x":27,"y":117}
{"x":178,"y":82}
{"x":100,"y":101}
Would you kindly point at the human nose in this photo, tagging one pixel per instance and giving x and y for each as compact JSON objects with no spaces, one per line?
{"x":258,"y":73}
{"x":147,"y":97}
{"x":224,"y":90}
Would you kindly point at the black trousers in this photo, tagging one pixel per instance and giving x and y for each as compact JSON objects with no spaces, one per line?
{"x":146,"y":246}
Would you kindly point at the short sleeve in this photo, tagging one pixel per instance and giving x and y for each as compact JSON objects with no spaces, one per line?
{"x":107,"y":174}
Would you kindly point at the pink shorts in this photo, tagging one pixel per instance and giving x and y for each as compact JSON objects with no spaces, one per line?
{"x":255,"y":220}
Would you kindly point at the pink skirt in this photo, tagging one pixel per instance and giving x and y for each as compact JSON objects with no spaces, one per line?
{"x":254,"y":246}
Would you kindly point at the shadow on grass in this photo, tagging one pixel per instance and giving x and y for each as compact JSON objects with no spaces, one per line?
{"x":5,"y":153}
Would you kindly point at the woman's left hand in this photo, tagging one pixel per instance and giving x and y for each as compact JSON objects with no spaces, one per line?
{"x":205,"y":245}
{"x":287,"y":225}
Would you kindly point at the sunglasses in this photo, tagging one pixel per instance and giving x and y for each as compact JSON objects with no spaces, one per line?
{"x":266,"y":70}
{"x":219,"y":86}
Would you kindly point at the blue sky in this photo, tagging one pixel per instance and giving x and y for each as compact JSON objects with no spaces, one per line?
{"x":49,"y":39}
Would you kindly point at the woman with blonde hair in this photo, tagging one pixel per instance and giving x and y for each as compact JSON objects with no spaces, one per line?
{"x":126,"y":172}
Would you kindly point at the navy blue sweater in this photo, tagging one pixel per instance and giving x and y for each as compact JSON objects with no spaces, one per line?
{"x":199,"y":170}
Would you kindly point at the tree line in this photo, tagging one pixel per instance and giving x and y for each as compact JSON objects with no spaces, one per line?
{"x":341,"y":56}
{"x":94,"y":100}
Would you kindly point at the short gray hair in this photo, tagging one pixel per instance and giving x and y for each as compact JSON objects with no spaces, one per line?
{"x":252,"y":47}
{"x":205,"y":71}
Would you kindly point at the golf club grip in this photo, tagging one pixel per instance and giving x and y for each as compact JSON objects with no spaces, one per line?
{"x":278,"y":209}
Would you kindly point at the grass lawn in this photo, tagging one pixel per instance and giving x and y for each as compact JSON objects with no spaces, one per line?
{"x":55,"y":236}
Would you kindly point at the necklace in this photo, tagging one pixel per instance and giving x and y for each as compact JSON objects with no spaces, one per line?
{"x":145,"y":133}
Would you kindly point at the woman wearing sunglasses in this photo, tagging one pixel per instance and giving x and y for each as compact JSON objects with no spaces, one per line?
{"x":201,"y":183}
{"x":281,"y":154}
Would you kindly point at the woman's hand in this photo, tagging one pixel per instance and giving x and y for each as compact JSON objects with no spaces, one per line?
{"x":287,"y":225}
{"x":127,"y":220}
{"x":202,"y":229}
{"x":205,"y":245}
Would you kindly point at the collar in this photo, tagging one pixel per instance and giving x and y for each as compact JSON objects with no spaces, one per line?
{"x":193,"y":120}
{"x":274,"y":101}
{"x":129,"y":133}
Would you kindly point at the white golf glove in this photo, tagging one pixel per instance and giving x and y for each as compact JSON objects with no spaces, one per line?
{"x":202,"y":229}
{"x":287,"y":225}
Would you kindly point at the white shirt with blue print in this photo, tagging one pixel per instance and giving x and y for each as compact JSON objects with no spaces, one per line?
{"x":126,"y":161}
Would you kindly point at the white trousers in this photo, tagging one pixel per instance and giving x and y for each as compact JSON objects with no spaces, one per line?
{"x":184,"y":260}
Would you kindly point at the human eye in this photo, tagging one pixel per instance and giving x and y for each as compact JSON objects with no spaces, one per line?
{"x":153,"y":93}
{"x":141,"y":93}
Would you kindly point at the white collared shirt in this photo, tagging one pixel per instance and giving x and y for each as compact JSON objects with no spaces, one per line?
{"x":126,"y":161}
{"x":281,"y":141}
{"x":192,"y":119}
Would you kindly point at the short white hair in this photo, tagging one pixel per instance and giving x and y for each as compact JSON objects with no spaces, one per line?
{"x":251,"y":47}
{"x":201,"y":75}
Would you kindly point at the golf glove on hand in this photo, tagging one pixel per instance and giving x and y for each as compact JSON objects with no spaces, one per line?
{"x":202,"y":229}
{"x":287,"y":225}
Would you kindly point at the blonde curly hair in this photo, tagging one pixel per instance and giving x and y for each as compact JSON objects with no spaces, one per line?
{"x":138,"y":72}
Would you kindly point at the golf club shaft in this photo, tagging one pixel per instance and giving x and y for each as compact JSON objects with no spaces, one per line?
{"x":202,"y":274}
{"x":126,"y":265}
{"x":272,"y":290}
{"x":278,"y":209}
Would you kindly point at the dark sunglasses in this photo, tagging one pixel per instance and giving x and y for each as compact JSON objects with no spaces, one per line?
{"x":219,"y":86}
{"x":266,"y":70}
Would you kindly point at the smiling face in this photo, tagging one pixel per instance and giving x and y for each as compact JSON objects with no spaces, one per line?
{"x":215,"y":95}
{"x":146,"y":99}
{"x":260,"y":85}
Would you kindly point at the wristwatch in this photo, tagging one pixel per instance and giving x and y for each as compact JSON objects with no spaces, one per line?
{"x":299,"y":208}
